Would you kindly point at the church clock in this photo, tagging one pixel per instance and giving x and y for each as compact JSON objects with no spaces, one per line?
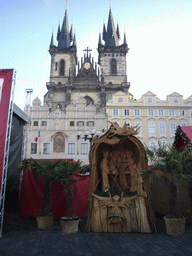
{"x":87,"y":65}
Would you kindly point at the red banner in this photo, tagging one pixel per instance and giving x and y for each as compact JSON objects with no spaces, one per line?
{"x":6,"y":76}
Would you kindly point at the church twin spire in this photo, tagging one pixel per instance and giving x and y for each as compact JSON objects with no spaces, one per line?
{"x":64,"y":36}
{"x":111,"y":36}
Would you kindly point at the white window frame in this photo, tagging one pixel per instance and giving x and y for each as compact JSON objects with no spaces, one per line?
{"x":137,"y":112}
{"x":160,"y":112}
{"x":80,"y":122}
{"x":126,"y":111}
{"x":71,"y":148}
{"x":115,"y":112}
{"x":173,"y":127}
{"x":43,"y":123}
{"x":171,"y":112}
{"x":49,"y":148}
{"x":31,"y":148}
{"x":150,"y":112}
{"x":182,"y":112}
{"x":162,"y":128}
{"x":84,"y":148}
{"x":152,"y":128}
{"x":90,"y":123}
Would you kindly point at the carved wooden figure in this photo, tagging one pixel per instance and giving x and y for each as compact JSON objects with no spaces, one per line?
{"x":118,"y":198}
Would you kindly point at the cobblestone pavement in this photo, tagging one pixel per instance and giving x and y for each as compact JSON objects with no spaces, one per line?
{"x":52,"y":242}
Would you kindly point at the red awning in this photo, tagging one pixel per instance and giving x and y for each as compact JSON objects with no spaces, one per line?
{"x":188,"y":131}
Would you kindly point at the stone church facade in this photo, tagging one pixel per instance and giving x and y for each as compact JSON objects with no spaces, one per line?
{"x":83,"y":95}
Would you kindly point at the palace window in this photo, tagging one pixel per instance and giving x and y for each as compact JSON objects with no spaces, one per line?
{"x":126,"y":112}
{"x":150,"y":112}
{"x":182,"y":112}
{"x":43,"y":123}
{"x":115,"y":112}
{"x":162,"y":128}
{"x":149,"y":99}
{"x":62,"y":68}
{"x":71,"y":148}
{"x":72,"y":123}
{"x":160,"y":112}
{"x":137,"y":112}
{"x":151,"y":127}
{"x":33,"y":148}
{"x":171,"y":112}
{"x":113,"y":66}
{"x":80,"y":123}
{"x":183,"y":124}
{"x":46,"y":148}
{"x":84,"y":148}
{"x":172,"y":127}
{"x":90,"y":123}
{"x":35,"y":123}
{"x":175,"y":100}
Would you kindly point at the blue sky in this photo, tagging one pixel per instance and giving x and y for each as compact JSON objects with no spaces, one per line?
{"x":158,"y":35}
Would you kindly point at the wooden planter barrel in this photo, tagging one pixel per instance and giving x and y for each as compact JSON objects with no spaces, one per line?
{"x":45,"y":221}
{"x":69,"y":225}
{"x":175,"y":226}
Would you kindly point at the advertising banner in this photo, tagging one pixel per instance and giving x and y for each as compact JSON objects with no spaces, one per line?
{"x":6,"y":76}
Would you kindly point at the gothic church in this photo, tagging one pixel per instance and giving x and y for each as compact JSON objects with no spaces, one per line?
{"x":96,"y":83}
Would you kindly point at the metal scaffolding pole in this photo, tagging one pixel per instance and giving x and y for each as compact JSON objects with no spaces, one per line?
{"x":6,"y":155}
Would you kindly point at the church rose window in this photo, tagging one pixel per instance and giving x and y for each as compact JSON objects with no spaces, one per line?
{"x":59,"y":143}
{"x":62,"y":68}
{"x":113,"y":66}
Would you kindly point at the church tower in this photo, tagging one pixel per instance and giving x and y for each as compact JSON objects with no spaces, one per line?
{"x":112,"y":56}
{"x":63,"y":66}
{"x":95,"y":82}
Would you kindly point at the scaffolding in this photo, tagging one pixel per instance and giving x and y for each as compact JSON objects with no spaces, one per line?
{"x":6,"y":154}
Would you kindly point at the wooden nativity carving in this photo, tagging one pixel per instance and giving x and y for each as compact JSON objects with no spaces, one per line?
{"x":119,"y":199}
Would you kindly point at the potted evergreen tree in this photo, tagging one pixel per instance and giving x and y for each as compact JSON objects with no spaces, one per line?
{"x":47,"y":170}
{"x":64,"y":174}
{"x":174,"y":166}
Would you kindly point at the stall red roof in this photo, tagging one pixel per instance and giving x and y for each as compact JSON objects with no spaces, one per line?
{"x":183,"y":137}
{"x":188,"y":131}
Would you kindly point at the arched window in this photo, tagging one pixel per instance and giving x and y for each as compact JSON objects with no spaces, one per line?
{"x":62,"y":68}
{"x":113,"y":66}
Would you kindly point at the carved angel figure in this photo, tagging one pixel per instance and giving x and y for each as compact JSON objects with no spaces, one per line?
{"x":115,"y":205}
